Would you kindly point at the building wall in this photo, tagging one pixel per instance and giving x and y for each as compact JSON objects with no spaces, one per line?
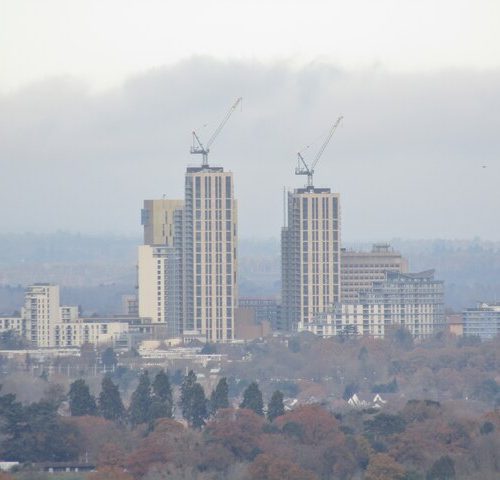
{"x":158,"y":219}
{"x":16,"y":324}
{"x":75,"y":334}
{"x":266,"y":310}
{"x":160,"y":283}
{"x":247,"y":327}
{"x":209,"y":253}
{"x":414,"y":301}
{"x":359,"y":270}
{"x":69,"y":313}
{"x":483,"y":321}
{"x":349,"y":320}
{"x":310,"y":255}
{"x":41,"y":311}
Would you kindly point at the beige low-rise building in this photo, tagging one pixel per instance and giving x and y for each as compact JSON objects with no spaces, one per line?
{"x":360,"y":270}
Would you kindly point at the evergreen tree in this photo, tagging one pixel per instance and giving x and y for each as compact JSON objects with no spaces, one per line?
{"x":108,"y":358}
{"x":198,"y":406}
{"x":186,"y":395}
{"x":193,"y":401}
{"x":252,"y":399}
{"x":219,"y":398}
{"x":140,"y":405}
{"x":162,"y":405}
{"x":81,"y":402}
{"x":110,"y":402}
{"x":275,"y":408}
{"x":442,"y":469}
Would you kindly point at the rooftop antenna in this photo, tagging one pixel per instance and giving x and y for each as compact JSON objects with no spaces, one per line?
{"x":204,"y":150}
{"x":303,"y":168}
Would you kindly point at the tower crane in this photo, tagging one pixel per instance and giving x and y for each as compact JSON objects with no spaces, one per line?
{"x":303,"y":168}
{"x":199,"y":148}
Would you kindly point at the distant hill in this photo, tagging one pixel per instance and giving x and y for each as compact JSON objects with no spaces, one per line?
{"x":96,"y":270}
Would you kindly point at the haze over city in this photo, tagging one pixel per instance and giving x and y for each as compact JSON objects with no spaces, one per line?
{"x":108,"y":95}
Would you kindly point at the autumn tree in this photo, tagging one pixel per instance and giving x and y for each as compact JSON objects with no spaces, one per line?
{"x":110,"y":473}
{"x":237,"y":430}
{"x":384,"y":467}
{"x":140,"y":404}
{"x":275,"y":408}
{"x":252,"y":399}
{"x":267,"y":467}
{"x":220,"y":396}
{"x":110,"y":455}
{"x":81,"y":402}
{"x":110,"y":402}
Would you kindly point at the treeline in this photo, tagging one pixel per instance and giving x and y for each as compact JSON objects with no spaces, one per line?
{"x":424,"y":440}
{"x":153,"y":400}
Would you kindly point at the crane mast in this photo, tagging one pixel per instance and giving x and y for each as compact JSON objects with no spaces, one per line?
{"x":303,"y":168}
{"x":198,"y":148}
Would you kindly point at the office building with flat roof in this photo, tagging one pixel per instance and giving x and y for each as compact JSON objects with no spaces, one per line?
{"x":359,"y":270}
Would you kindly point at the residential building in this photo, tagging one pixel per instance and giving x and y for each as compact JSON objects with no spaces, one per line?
{"x":41,"y":311}
{"x":130,"y":305}
{"x":266,"y":310}
{"x":349,"y":320}
{"x":414,"y":301}
{"x":359,"y":270}
{"x":160,"y":286}
{"x":483,"y":321}
{"x":310,"y":243}
{"x":209,"y":253}
{"x":47,"y":324}
{"x":159,"y":219}
{"x":16,"y":324}
{"x":76,"y":333}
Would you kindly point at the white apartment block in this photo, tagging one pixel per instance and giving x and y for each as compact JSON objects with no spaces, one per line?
{"x":75,"y":334}
{"x":482,"y":321}
{"x":310,"y":255}
{"x":69,"y":313}
{"x":348,"y":319}
{"x":47,"y":324}
{"x":41,"y":311}
{"x":360,"y":270}
{"x":160,"y":283}
{"x":209,"y":253}
{"x":15,"y":324}
{"x":414,"y":301}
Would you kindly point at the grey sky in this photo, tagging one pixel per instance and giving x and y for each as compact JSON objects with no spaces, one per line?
{"x":407,"y":159}
{"x":98,"y":100}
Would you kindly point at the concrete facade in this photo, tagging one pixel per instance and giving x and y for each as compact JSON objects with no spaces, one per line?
{"x":158,"y":218}
{"x":159,"y":286}
{"x":310,"y":245}
{"x":414,"y":301}
{"x":209,"y":253}
{"x":41,"y":311}
{"x":359,"y":270}
{"x":483,"y":321}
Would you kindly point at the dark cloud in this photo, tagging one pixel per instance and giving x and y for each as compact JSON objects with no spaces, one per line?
{"x":407,"y":160}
